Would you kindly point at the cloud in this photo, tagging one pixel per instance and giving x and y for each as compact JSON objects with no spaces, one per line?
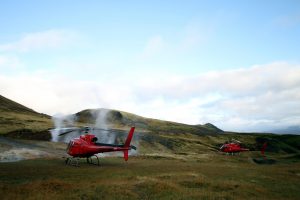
{"x":256,"y":98}
{"x":40,"y":40}
{"x":248,"y":99}
{"x":241,"y":82}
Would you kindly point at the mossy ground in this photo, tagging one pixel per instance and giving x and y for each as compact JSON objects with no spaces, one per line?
{"x":214,"y":176}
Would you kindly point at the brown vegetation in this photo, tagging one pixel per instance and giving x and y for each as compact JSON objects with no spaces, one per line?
{"x":216,"y":177}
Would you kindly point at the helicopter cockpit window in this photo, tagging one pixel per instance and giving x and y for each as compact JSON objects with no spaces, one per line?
{"x":94,"y":139}
{"x":69,"y":145}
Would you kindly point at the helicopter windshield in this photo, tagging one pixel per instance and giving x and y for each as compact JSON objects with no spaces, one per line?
{"x":69,"y":145}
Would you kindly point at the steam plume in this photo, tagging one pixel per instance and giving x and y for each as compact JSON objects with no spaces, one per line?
{"x":60,"y":122}
{"x":101,"y":122}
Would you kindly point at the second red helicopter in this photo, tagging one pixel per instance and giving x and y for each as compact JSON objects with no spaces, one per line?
{"x":234,"y":146}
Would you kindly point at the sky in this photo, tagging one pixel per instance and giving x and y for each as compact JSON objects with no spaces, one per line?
{"x":232,"y":63}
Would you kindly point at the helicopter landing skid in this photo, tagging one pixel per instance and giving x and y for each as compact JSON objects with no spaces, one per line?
{"x":72,"y":161}
{"x":92,"y":161}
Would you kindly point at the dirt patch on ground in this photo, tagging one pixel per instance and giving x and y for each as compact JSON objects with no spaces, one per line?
{"x":17,"y":154}
{"x":28,"y":134}
{"x":12,"y":150}
{"x":4,"y":147}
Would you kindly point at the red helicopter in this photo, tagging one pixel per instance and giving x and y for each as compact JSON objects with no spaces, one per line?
{"x":86,"y":146}
{"x":234,"y":146}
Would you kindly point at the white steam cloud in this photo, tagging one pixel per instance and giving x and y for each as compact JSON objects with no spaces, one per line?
{"x":101,"y":122}
{"x":60,"y":123}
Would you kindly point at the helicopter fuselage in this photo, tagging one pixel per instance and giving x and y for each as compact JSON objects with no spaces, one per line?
{"x":86,"y":146}
{"x":232,"y":148}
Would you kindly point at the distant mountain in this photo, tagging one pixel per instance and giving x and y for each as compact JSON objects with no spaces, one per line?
{"x":287,"y":130}
{"x":121,"y":119}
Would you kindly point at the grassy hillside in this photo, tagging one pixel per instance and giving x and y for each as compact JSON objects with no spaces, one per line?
{"x":152,"y":136}
{"x":17,"y":119}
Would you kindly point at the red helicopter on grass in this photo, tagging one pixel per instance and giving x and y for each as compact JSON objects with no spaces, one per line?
{"x":234,"y":146}
{"x":86,"y":146}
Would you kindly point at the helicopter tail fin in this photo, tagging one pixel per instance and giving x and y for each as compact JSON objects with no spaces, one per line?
{"x":127,"y":143}
{"x":129,"y":137}
{"x":125,"y":155}
{"x":263,"y":148}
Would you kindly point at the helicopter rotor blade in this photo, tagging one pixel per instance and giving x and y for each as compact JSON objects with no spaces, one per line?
{"x":86,"y":129}
{"x":64,"y":133}
{"x":109,"y":130}
{"x":236,"y":141}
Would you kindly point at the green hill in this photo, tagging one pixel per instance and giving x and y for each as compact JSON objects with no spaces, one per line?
{"x":18,"y":120}
{"x":121,"y":119}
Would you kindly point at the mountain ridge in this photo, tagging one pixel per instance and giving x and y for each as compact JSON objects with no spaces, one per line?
{"x":17,"y":118}
{"x":287,"y":130}
{"x":125,"y":119}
